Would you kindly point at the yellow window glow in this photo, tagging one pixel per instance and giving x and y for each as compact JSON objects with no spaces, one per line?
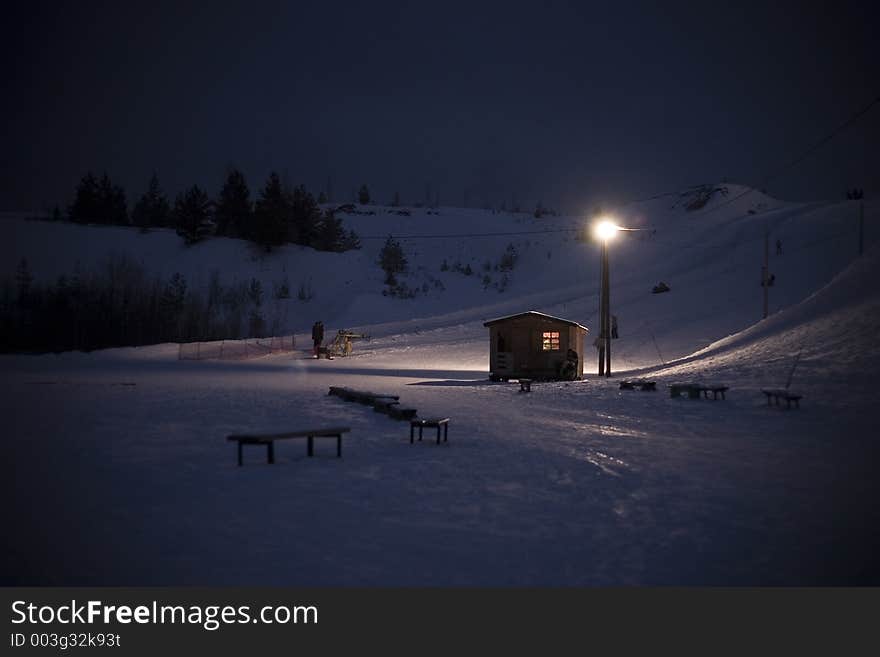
{"x":550,"y":341}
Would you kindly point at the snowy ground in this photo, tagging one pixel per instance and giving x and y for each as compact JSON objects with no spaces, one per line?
{"x":121,"y":475}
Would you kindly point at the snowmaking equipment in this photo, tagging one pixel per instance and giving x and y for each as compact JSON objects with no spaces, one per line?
{"x":342,"y":342}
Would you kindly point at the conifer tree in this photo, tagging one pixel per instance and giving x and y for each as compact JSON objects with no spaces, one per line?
{"x":234,"y":212}
{"x":86,"y":206}
{"x":305,"y":218}
{"x":152,"y":209}
{"x":392,"y":260}
{"x":352,"y":241}
{"x":112,"y":206}
{"x":330,"y":235}
{"x":192,"y":215}
{"x":23,"y":280}
{"x":272,"y":215}
{"x":364,"y":195}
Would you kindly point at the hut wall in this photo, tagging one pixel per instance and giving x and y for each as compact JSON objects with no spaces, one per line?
{"x":526,"y":357}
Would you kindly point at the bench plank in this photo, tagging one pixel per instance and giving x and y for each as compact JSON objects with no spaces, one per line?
{"x":320,"y":433}
{"x":268,"y":439}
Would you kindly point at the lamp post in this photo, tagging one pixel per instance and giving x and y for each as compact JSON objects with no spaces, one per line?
{"x":605,"y":230}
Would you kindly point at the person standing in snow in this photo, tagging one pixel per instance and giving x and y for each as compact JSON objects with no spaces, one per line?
{"x":317,"y":336}
{"x":778,"y":247}
{"x":569,"y":369}
{"x":614,"y":327}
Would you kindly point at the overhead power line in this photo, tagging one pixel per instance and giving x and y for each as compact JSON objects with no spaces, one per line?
{"x":463,"y":235}
{"x":800,"y":158}
{"x":770,"y":176}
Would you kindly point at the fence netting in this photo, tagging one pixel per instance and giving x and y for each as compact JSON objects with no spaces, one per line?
{"x":236,"y":349}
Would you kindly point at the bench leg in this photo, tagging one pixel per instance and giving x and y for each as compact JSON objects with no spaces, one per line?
{"x":438,"y":434}
{"x":339,"y":445}
{"x":310,"y":447}
{"x":270,"y":452}
{"x":411,"y":433}
{"x":446,"y":433}
{"x":420,"y":432}
{"x":239,"y":453}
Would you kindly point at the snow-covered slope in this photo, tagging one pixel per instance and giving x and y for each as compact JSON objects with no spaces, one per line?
{"x":710,"y":256}
{"x":122,"y":475}
{"x":831,"y":340}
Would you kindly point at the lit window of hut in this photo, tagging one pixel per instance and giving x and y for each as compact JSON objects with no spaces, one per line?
{"x":550,"y":341}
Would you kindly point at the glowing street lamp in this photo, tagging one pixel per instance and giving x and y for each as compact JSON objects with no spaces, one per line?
{"x":605,"y":230}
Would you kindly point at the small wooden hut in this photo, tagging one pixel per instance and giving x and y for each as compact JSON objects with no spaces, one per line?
{"x":536,"y":346}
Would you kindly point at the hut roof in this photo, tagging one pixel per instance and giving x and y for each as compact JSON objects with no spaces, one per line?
{"x":534,"y":313}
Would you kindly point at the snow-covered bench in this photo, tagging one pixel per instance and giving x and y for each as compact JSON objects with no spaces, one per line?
{"x":777,"y":395}
{"x":268,"y":439}
{"x":399,"y":412}
{"x":421,"y":423}
{"x":715,"y":390}
{"x":384,"y":404}
{"x":360,"y":396}
{"x":694,"y":390}
{"x":525,"y":385}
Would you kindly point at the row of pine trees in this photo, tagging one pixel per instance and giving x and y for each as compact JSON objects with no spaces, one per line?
{"x":278,"y":216}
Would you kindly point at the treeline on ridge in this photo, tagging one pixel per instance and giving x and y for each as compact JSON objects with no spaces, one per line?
{"x":278,"y":215}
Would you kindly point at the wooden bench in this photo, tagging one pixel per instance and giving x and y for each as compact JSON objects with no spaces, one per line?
{"x":421,"y":423}
{"x":269,"y":439}
{"x":694,"y":390}
{"x":641,"y":384}
{"x":398,"y":412}
{"x":525,"y":385}
{"x":715,"y":390}
{"x":384,"y":404}
{"x":778,"y":395}
{"x":360,"y":396}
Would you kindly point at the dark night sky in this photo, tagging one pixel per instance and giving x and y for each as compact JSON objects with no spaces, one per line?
{"x":572,"y":103}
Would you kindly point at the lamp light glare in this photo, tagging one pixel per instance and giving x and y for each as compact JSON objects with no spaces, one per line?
{"x":605,"y":229}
